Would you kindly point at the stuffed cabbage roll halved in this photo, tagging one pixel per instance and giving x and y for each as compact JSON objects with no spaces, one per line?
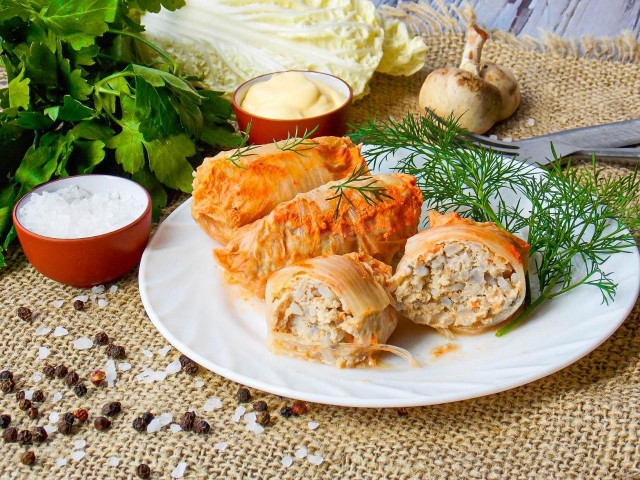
{"x":460,"y":275}
{"x":333,"y":309}
{"x":226,"y":197}
{"x":305,"y":227}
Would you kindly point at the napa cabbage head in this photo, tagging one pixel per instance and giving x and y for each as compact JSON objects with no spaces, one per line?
{"x":227,"y":42}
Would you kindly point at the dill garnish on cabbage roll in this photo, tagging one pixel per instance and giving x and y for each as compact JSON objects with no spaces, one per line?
{"x":333,"y":309}
{"x":461,"y":276}
{"x":314,"y":224}
{"x":227,"y":197}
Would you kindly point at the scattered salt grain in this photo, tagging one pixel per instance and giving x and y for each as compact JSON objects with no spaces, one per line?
{"x":61,"y":462}
{"x":164,"y":350}
{"x":221,"y":447}
{"x":60,"y":332}
{"x":154,"y":426}
{"x":36,"y":378}
{"x":301,"y":452}
{"x":102,"y":302}
{"x":199,"y":384}
{"x":255,"y":428}
{"x":54,"y":417}
{"x":507,"y":139}
{"x":315,"y":459}
{"x":287,"y":461}
{"x":110,"y":373}
{"x":73,"y":212}
{"x":493,"y":137}
{"x":238,"y":413}
{"x":58,"y":303}
{"x":313,"y":425}
{"x":178,"y":472}
{"x":124,"y":366}
{"x":42,"y":330}
{"x":97,"y":289}
{"x":28,"y":394}
{"x":79,"y":444}
{"x":57,"y":396}
{"x":78,"y":455}
{"x":531,"y":122}
{"x":211,"y":404}
{"x":113,"y":288}
{"x":114,"y":461}
{"x":149,"y":375}
{"x":147,"y":353}
{"x":43,"y":352}
{"x":175,"y":428}
{"x":50,"y":429}
{"x":250,"y":417}
{"x":82,"y":298}
{"x":173,"y":367}
{"x":82,"y":343}
{"x":165,"y":418}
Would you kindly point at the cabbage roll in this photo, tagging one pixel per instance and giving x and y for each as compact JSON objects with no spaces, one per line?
{"x":460,"y":275}
{"x":226,"y":197}
{"x":306,"y":227}
{"x":332,"y":309}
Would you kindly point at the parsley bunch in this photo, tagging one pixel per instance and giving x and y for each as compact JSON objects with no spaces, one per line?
{"x":88,"y":93}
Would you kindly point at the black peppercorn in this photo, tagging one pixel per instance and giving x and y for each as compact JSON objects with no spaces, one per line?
{"x":49,"y":371}
{"x":78,"y":305}
{"x":139,"y":425}
{"x":101,"y":338}
{"x":243,"y":395}
{"x":24,"y":313}
{"x":69,"y":418}
{"x":10,"y":435}
{"x":6,"y":375}
{"x":7,"y":385}
{"x":64,"y":427}
{"x":147,"y":417}
{"x":71,"y":379}
{"x":112,"y":408}
{"x":20,"y":395}
{"x":115,"y":351}
{"x":286,"y":412}
{"x":202,"y":427}
{"x":5,"y":420}
{"x":191,"y":368}
{"x":402,"y":411}
{"x":80,"y":390}
{"x":24,"y":436}
{"x":143,"y":471}
{"x":24,"y":404}
{"x":263,"y":418}
{"x":61,"y":371}
{"x":39,"y":434}
{"x":102,"y":423}
{"x":187,"y":421}
{"x":33,"y":413}
{"x":260,"y":406}
{"x":184,"y":360}
{"x":38,"y":396}
{"x":81,"y":414}
{"x":28,"y":457}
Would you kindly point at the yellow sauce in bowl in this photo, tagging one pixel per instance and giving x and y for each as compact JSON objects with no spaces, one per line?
{"x":290,"y":96}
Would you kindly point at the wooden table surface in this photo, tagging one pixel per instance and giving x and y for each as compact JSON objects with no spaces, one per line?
{"x":565,"y":18}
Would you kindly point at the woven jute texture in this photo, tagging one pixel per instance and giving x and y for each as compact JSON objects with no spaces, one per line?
{"x":579,"y":423}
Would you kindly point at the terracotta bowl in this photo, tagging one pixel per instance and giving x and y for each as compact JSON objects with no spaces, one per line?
{"x":89,"y":261}
{"x":266,"y":130}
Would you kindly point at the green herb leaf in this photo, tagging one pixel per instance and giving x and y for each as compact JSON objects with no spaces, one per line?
{"x":168,"y":160}
{"x":41,"y":64}
{"x":128,"y":145}
{"x":33,"y":121}
{"x":220,"y":134}
{"x":157,"y":192}
{"x":154,"y":5}
{"x":86,"y":155}
{"x":71,"y":110}
{"x":19,"y":92}
{"x":36,"y":168}
{"x":14,"y":8}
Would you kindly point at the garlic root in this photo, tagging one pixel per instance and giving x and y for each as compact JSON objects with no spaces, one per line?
{"x":478,"y":93}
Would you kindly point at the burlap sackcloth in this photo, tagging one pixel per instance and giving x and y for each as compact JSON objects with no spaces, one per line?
{"x":581,"y":422}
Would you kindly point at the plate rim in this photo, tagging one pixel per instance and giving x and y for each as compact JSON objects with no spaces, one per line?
{"x":360,"y":402}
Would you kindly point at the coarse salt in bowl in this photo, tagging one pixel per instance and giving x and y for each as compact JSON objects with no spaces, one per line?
{"x":84,"y":230}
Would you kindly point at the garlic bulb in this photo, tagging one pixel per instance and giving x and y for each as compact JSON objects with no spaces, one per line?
{"x":479,"y":94}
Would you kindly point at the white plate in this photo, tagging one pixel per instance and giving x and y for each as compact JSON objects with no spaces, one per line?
{"x":224,"y":330}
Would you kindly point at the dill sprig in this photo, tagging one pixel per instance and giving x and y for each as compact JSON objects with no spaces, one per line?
{"x":576,"y":221}
{"x":295,"y":144}
{"x":243,"y":149}
{"x":362,"y":182}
